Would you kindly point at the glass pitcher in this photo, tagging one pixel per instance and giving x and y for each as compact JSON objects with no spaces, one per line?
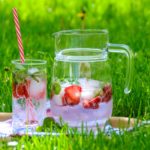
{"x":82,"y":83}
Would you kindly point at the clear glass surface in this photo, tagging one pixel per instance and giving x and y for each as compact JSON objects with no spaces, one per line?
{"x":29,"y":95}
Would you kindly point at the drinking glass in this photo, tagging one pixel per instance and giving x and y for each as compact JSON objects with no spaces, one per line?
{"x":29,"y":94}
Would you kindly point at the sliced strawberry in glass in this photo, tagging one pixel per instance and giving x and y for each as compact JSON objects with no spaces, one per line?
{"x":94,"y":105}
{"x":86,"y":104}
{"x":107,"y":89}
{"x":71,"y":100}
{"x":20,"y":90}
{"x":64,"y":101}
{"x":107,"y":93}
{"x":95,"y":100}
{"x":90,"y":104}
{"x":72,"y":94}
{"x":26,"y":93}
{"x":107,"y":97}
{"x":14,"y":91}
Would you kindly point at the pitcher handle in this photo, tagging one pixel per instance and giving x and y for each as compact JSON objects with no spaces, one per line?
{"x":124,"y":49}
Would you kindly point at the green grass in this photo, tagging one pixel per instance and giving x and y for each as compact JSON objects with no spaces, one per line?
{"x":127,"y":21}
{"x":137,"y":139}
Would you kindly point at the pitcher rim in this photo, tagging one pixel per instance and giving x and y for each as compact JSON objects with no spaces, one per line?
{"x":81,"y":32}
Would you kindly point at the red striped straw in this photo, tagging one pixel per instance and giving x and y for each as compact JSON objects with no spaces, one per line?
{"x":18,"y":33}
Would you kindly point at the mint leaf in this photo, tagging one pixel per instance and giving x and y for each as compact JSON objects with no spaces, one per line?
{"x":19,"y":67}
{"x":56,"y":87}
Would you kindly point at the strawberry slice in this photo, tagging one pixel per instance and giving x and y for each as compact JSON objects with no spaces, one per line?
{"x":20,"y":90}
{"x":26,"y":93}
{"x":72,"y":94}
{"x":86,"y":104}
{"x":95,"y":100}
{"x":64,"y":103}
{"x":93,"y":103}
{"x":107,"y":88}
{"x":14,"y":91}
{"x":107,"y":93}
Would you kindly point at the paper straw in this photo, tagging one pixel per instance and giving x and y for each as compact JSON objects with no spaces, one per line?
{"x":18,"y":33}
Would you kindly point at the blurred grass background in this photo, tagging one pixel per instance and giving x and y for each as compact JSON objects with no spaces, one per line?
{"x":128,"y":22}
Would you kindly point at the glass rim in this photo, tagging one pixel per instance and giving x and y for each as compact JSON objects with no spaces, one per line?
{"x":81,"y":32}
{"x":29,"y":62}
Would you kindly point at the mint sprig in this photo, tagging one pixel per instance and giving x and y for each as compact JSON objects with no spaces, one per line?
{"x":21,"y":74}
{"x":56,"y":87}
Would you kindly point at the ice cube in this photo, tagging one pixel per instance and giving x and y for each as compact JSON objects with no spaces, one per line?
{"x":87,"y":93}
{"x":88,"y":88}
{"x":94,"y":83}
{"x":32,"y":70}
{"x":37,"y":90}
{"x":83,"y":82}
{"x":58,"y":99}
